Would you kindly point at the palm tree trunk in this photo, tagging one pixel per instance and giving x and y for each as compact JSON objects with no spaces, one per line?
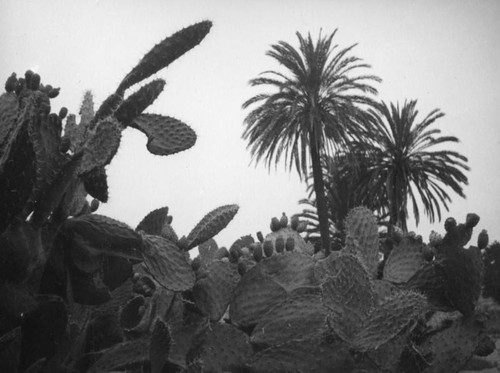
{"x":319,"y":189}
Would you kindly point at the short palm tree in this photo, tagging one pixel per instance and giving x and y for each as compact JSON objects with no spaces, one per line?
{"x":315,"y":105}
{"x":407,"y":160}
{"x":343,"y":174}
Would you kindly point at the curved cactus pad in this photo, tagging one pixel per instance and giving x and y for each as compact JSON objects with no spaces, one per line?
{"x":166,"y":135}
{"x":220,"y":348}
{"x":137,"y":102}
{"x":213,"y":291}
{"x":211,"y":224}
{"x":167,"y":264}
{"x":106,"y":235}
{"x":164,"y":53}
{"x":404,"y":260}
{"x":102,"y":146}
{"x":390,"y":318}
{"x":299,"y":317}
{"x":347,"y":294}
{"x":302,"y":356}
{"x":154,"y":221}
{"x":362,"y":237}
{"x":255,"y":294}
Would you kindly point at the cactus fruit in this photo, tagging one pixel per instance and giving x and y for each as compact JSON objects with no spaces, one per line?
{"x":283,"y":221}
{"x":260,"y":237}
{"x":279,"y":244}
{"x":159,"y":346}
{"x":294,"y":223}
{"x":242,"y":268}
{"x":482,"y":240}
{"x":268,"y":248}
{"x":196,"y":264}
{"x":275,"y":224}
{"x":289,"y":244}
{"x":257,"y":252}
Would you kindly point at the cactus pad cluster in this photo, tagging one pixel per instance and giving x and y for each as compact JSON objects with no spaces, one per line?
{"x":82,"y":292}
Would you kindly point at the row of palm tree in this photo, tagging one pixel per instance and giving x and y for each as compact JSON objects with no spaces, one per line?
{"x":321,"y":113}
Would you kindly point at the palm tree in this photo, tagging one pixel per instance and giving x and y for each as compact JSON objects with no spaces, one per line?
{"x":343,"y":175}
{"x":316,"y":105}
{"x":402,"y":163}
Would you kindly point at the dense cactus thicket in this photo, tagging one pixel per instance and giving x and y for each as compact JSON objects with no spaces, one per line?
{"x":82,"y":292}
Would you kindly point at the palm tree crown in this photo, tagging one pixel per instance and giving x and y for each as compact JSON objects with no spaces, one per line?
{"x":314,"y":106}
{"x":402,"y":162}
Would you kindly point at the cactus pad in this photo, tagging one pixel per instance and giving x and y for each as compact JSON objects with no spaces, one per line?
{"x":347,"y":294}
{"x":159,"y":346}
{"x":220,"y":348}
{"x":362,"y":237}
{"x":302,"y":356}
{"x":404,"y":260}
{"x":290,"y":270}
{"x":254,"y":295}
{"x":123,"y":355}
{"x":164,"y":53}
{"x":450,"y":349}
{"x":301,"y":316}
{"x":213,"y":291}
{"x":167,"y":264}
{"x":101,"y":146}
{"x":153,"y":222}
{"x":105,"y":234}
{"x":387,"y":320}
{"x":211,"y":224}
{"x":166,"y":135}
{"x":137,"y":102}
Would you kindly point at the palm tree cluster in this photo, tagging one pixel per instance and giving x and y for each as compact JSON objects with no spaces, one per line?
{"x":320,"y":114}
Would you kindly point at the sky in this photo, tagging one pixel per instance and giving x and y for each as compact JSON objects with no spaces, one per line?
{"x":445,"y":54}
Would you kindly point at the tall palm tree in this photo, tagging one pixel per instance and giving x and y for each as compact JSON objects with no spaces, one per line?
{"x":407,"y":159}
{"x":315,"y":105}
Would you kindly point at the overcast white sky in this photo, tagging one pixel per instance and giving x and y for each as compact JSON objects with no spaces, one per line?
{"x":444,"y":53}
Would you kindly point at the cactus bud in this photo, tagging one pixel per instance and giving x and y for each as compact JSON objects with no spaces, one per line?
{"x":302,"y":226}
{"x":279,"y":244}
{"x":183,"y":243}
{"x":471,"y":220}
{"x":294,"y":222}
{"x":196,"y":263}
{"x":64,"y":145}
{"x":260,"y":237}
{"x":283,"y":221}
{"x":275,"y":224}
{"x":268,"y":248}
{"x":234,"y":253}
{"x":94,"y":205}
{"x":63,"y":112}
{"x":482,"y":240}
{"x":11,"y":83}
{"x":289,"y":244}
{"x":449,"y":224}
{"x":28,"y":77}
{"x":242,"y":268}
{"x":257,"y":252}
{"x":54,"y":92}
